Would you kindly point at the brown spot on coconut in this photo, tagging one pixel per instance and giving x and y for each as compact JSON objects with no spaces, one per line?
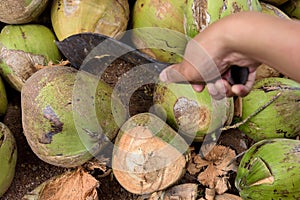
{"x":190,"y":116}
{"x":68,"y":116}
{"x":193,"y":114}
{"x":148,"y":155}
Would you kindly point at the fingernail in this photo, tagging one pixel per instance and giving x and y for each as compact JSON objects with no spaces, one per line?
{"x":163,"y":76}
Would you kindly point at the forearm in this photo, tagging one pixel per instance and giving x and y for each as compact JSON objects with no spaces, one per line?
{"x":267,"y":39}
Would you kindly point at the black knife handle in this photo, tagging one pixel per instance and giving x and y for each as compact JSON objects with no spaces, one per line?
{"x":239,"y":75}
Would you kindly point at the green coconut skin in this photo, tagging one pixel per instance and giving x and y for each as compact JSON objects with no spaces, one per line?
{"x":199,"y":14}
{"x":158,"y":29}
{"x":275,"y":2}
{"x":107,"y":17}
{"x":273,"y":10}
{"x":292,"y":8}
{"x":57,"y":131}
{"x":8,"y":157}
{"x":270,"y":170}
{"x":281,"y":119}
{"x":21,"y":11}
{"x":194,"y":114}
{"x":23,"y":46}
{"x":3,"y":98}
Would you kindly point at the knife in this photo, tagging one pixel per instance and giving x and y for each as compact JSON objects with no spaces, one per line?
{"x":94,"y":52}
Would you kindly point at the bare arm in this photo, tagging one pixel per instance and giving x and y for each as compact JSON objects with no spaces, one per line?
{"x":245,"y":39}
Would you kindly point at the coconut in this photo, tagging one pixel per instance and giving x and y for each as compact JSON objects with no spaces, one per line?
{"x":22,"y":48}
{"x":68,"y":116}
{"x":291,"y":8}
{"x":21,"y":11}
{"x":280,"y":119}
{"x":193,"y":114}
{"x":158,"y":29}
{"x":270,"y":170}
{"x":3,"y":98}
{"x":148,"y":155}
{"x":275,"y":2}
{"x":273,"y":10}
{"x":108,"y":17}
{"x":8,"y":158}
{"x":265,"y":71}
{"x":199,"y":14}
{"x":77,"y":184}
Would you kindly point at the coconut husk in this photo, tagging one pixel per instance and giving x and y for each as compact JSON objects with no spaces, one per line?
{"x":76,"y":184}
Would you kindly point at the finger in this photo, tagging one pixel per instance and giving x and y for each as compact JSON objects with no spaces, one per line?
{"x":224,"y":87}
{"x":198,"y":87}
{"x":180,"y":72}
{"x":243,"y":90}
{"x":214,"y":91}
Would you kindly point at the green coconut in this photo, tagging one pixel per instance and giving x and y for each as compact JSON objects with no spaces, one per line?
{"x":148,"y":155}
{"x":8,"y":158}
{"x":68,"y":116}
{"x":3,"y":98}
{"x":194,"y":114}
{"x":281,"y":119}
{"x":158,"y":29}
{"x":107,"y":17}
{"x":270,"y":170}
{"x":292,"y":8}
{"x":199,"y":14}
{"x":275,"y":2}
{"x":21,"y":11}
{"x":273,"y":10}
{"x":22,"y":48}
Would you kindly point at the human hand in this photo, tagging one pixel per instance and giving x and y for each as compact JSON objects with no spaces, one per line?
{"x":207,"y":61}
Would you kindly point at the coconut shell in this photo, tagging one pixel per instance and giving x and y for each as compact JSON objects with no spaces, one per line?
{"x":77,"y":184}
{"x":193,"y":114}
{"x":280,"y":119}
{"x":68,"y":116}
{"x":8,"y":158}
{"x":21,"y":11}
{"x":148,"y":155}
{"x":107,"y":17}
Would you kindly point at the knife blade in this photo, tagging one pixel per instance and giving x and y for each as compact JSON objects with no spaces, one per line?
{"x":94,"y":52}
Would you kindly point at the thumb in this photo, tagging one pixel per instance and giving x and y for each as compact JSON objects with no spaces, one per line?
{"x":172,"y":74}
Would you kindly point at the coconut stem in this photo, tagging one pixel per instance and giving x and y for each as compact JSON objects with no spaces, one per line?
{"x":234,"y":126}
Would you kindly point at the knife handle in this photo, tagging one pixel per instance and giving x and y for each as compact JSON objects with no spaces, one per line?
{"x":238,"y":75}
